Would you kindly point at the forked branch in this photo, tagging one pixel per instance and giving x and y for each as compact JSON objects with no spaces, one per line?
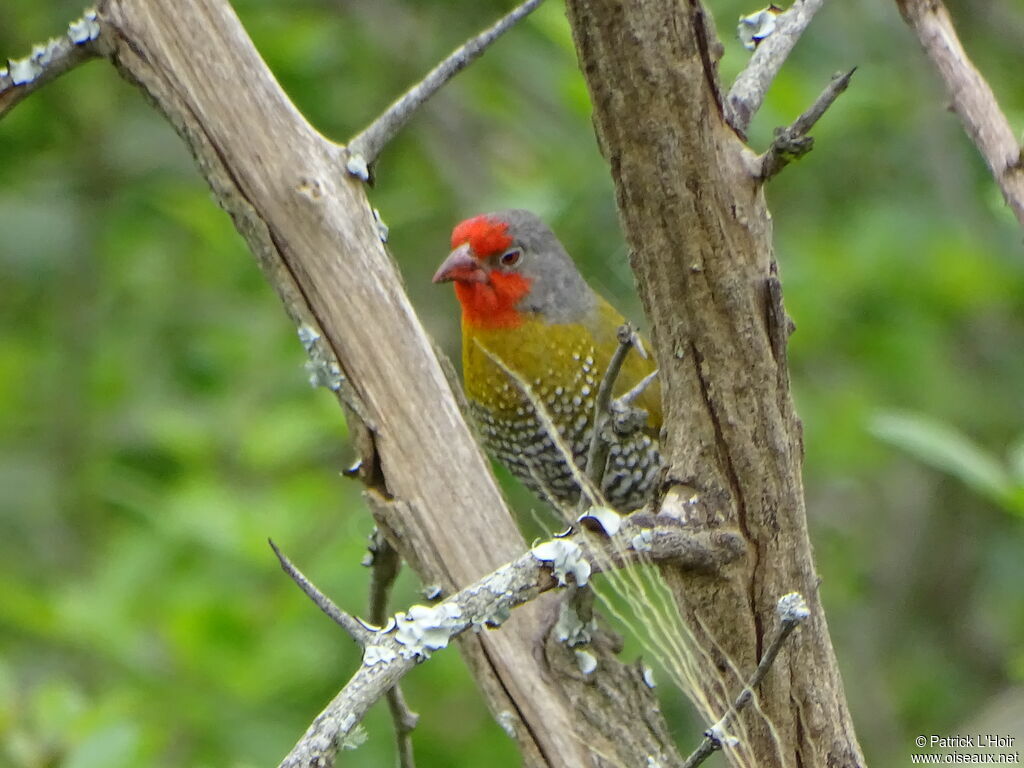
{"x":392,"y":650}
{"x":792,"y":141}
{"x":751,"y":85}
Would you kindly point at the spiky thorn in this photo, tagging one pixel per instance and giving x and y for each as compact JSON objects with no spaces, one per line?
{"x":364,"y":148}
{"x":971,"y":96}
{"x":597,"y":454}
{"x":792,"y":610}
{"x":385,"y":564}
{"x":355,"y":628}
{"x":49,"y":60}
{"x":792,"y":142}
{"x":751,"y":85}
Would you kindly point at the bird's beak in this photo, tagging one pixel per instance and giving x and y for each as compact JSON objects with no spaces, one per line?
{"x":462,"y":266}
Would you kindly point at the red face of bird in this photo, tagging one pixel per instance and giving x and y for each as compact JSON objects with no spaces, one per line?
{"x":507,"y":265}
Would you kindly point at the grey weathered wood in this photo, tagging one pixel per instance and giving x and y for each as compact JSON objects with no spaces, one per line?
{"x":313,"y":232}
{"x":695,"y":218}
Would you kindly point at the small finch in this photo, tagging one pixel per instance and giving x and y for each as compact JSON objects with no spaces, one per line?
{"x":525,"y":304}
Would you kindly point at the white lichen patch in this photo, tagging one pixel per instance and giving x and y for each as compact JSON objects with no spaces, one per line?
{"x":432,"y":591}
{"x":382,"y":228}
{"x":498,"y":615}
{"x":507,"y":720}
{"x":424,"y":628}
{"x":570,"y":630}
{"x":376,"y":654}
{"x":388,"y":625}
{"x":792,"y":608}
{"x":322,"y":369}
{"x":356,"y":165}
{"x":355,"y":738}
{"x":564,"y":557}
{"x":84,"y":29}
{"x":24,"y":71}
{"x":717,"y":732}
{"x":586,"y":661}
{"x":642,"y":541}
{"x":648,"y":676}
{"x":755,"y":27}
{"x":309,"y":336}
{"x":605,"y":519}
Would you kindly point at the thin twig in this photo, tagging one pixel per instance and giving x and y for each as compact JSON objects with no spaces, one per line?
{"x":597,"y":455}
{"x":48,"y":61}
{"x":366,"y":146}
{"x":792,"y":142}
{"x":384,"y":570}
{"x":749,"y":89}
{"x":349,"y":623}
{"x":972,"y":98}
{"x":792,"y":611}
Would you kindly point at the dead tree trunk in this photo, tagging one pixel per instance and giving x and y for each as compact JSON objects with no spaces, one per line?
{"x":692,"y":207}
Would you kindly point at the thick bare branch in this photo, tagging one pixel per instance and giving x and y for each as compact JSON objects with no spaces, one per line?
{"x":49,"y":61}
{"x":367,"y":145}
{"x":751,"y":85}
{"x":701,"y":242}
{"x":971,"y":96}
{"x":792,"y":141}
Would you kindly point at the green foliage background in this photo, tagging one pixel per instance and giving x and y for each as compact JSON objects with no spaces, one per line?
{"x":156,"y":426}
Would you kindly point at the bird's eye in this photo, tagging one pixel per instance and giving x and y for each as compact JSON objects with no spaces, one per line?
{"x":511,"y":258}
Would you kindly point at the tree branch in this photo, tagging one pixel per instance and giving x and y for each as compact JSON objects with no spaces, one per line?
{"x":700,"y":238}
{"x":356,"y":629}
{"x":972,"y":97}
{"x":751,"y":85}
{"x":384,"y":566}
{"x":411,"y":636}
{"x":367,"y":145}
{"x":48,"y":61}
{"x":791,"y":610}
{"x":793,"y":142}
{"x":597,"y":453}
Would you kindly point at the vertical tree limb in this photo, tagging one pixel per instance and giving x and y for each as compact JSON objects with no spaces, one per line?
{"x":696,"y":221}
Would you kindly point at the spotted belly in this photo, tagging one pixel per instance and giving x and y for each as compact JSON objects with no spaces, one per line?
{"x":519,"y":441}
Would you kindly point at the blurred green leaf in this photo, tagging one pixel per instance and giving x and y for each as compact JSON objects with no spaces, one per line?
{"x":942,"y":447}
{"x":1015,"y":460}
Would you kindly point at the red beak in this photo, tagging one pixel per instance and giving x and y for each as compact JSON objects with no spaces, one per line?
{"x":462,"y":266}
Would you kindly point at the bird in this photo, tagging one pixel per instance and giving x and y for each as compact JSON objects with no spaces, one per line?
{"x":534,"y":331}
